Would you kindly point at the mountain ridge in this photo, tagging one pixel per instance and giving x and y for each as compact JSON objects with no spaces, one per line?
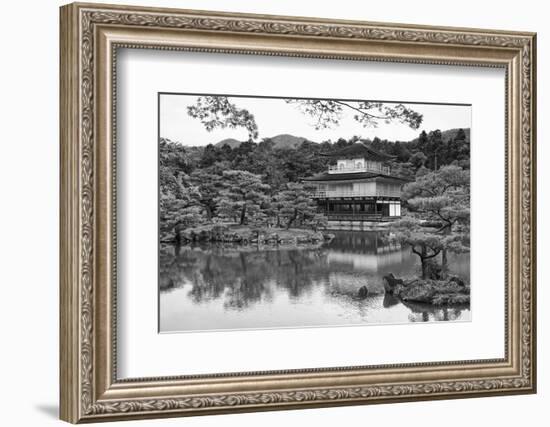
{"x":289,"y":141}
{"x":281,"y":141}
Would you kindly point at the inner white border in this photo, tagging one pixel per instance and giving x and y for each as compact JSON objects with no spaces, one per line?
{"x":143,"y":352}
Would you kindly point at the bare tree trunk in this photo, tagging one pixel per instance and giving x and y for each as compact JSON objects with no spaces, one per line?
{"x":243,"y":214}
{"x":424,"y":268}
{"x":208,"y":211}
{"x":424,"y":257}
{"x":424,"y":262}
{"x":177,"y":230}
{"x":291,"y":221}
{"x":444,"y":260}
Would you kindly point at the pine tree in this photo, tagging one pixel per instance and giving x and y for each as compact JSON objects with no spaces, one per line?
{"x":439,"y":220}
{"x":295,"y":206}
{"x":241,"y":194}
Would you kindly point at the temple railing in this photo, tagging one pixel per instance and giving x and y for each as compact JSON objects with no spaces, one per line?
{"x":366,"y":168}
{"x":329,"y":194}
{"x":354,"y":217}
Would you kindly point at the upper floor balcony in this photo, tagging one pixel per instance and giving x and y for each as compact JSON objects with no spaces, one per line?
{"x":351,"y":192}
{"x":368,"y":167}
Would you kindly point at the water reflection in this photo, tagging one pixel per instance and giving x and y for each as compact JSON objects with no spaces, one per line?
{"x":223,"y":286}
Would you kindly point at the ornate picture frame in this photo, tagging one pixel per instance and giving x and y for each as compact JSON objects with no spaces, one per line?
{"x":90,"y":37}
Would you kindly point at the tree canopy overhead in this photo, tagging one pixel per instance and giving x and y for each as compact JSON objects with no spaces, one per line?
{"x":328,"y":112}
{"x":219,"y":112}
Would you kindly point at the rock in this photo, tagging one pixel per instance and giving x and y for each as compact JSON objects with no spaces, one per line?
{"x":244,"y":235}
{"x":186,"y":236}
{"x":272,"y":238}
{"x":460,"y":299}
{"x":204,"y":236}
{"x":363,"y":292}
{"x":391,"y":283}
{"x":287,"y":241}
{"x":457,"y":280}
{"x":434,"y":292}
{"x":328,"y":236}
{"x":422,"y":292}
{"x":218,"y":232}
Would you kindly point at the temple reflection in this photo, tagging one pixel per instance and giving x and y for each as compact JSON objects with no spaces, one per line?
{"x":244,"y":279}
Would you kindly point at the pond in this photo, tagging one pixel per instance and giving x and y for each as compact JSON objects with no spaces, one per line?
{"x":223,"y":286}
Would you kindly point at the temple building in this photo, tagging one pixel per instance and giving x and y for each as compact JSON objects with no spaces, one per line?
{"x":358,"y":190}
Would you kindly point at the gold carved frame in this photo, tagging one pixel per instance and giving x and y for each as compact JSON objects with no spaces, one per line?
{"x":90,"y":36}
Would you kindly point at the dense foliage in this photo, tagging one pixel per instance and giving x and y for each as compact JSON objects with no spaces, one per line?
{"x":439,"y":217}
{"x":260,"y":183}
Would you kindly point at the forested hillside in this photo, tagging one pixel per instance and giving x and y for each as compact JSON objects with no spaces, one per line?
{"x":249,"y":183}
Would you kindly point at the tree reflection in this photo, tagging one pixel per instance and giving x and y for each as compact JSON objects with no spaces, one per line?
{"x":389,"y":301}
{"x":240,"y":277}
{"x":243,"y":276}
{"x":427,"y":313}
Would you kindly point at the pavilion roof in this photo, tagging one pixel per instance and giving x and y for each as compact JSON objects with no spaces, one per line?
{"x":359,"y":150}
{"x":353,"y":176}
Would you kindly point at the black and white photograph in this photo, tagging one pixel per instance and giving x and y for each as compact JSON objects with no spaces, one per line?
{"x":278,"y":213}
{"x":281,"y":212}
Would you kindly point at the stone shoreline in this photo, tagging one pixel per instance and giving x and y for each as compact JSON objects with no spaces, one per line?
{"x":245,"y":235}
{"x":452,"y":291}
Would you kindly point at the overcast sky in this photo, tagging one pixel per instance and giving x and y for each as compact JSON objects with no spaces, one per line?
{"x":275,"y":116}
